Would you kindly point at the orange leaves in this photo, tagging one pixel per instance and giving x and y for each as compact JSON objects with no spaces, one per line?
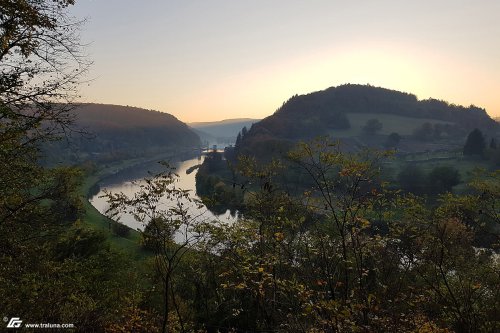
{"x":279,"y":236}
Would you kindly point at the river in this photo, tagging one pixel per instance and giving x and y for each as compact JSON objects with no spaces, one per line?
{"x":128,"y":182}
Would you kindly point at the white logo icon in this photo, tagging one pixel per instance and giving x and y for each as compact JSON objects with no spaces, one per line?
{"x":14,"y":322}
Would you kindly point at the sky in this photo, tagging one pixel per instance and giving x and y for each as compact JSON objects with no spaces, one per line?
{"x":211,"y":60}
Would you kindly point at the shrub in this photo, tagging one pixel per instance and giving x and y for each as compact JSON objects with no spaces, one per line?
{"x":120,"y":229}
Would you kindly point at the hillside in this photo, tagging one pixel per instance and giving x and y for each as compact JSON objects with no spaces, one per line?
{"x":113,"y":130}
{"x":201,"y":124}
{"x":343,"y":111}
{"x":224,"y":131}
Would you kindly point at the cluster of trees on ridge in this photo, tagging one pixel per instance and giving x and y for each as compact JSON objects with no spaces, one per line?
{"x":113,"y":132}
{"x":319,"y":113}
{"x":352,"y":98}
{"x":216,"y":177}
{"x":221,"y":132}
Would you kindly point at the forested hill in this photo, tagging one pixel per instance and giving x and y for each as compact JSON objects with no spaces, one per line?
{"x":224,"y":128}
{"x":343,"y":111}
{"x":114,"y":131}
{"x":224,"y":131}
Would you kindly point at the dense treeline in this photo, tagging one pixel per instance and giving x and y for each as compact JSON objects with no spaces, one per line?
{"x":219,"y":185}
{"x":346,"y":255}
{"x":368,"y":99}
{"x":303,"y":117}
{"x":113,"y":132}
{"x":53,"y":267}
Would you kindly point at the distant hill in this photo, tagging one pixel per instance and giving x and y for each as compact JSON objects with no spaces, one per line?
{"x":114,"y":130}
{"x":343,"y":111}
{"x":222,"y":122}
{"x":224,"y":131}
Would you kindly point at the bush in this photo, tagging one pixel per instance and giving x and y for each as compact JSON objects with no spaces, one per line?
{"x":424,"y":132}
{"x":412,"y":179}
{"x":392,"y":140}
{"x":442,"y":179}
{"x":475,"y":143}
{"x":372,"y":126}
{"x":120,"y":229}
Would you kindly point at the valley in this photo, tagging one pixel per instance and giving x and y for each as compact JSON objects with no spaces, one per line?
{"x":241,"y":167}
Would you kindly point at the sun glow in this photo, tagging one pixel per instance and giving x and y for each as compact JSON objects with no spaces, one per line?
{"x":242,"y":61}
{"x":259,"y":91}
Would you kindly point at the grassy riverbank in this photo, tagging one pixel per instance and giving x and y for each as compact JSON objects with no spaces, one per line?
{"x":130,"y":244}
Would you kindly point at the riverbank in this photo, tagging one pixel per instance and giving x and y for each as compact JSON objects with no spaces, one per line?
{"x":130,"y":244}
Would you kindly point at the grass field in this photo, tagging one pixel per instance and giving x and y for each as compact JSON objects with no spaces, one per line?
{"x":391,"y":123}
{"x":428,"y":161}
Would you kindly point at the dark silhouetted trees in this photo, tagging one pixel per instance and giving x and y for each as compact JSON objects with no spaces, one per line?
{"x":318,"y":113}
{"x":412,"y":179}
{"x":439,"y":180}
{"x":475,"y":143}
{"x":393,"y":140}
{"x":347,"y":253}
{"x":442,"y":179}
{"x":493,"y":144}
{"x":424,"y":132}
{"x":53,"y":268}
{"x":372,"y":126}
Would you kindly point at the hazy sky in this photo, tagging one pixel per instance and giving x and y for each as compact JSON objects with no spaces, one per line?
{"x":211,"y":60}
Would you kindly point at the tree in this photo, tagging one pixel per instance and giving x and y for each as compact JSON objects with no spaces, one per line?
{"x":237,"y":144}
{"x":493,"y":144}
{"x":424,"y":132}
{"x":443,"y":178}
{"x":346,"y":193}
{"x":475,"y":143}
{"x":41,"y":63}
{"x":372,"y":126}
{"x":393,"y":140}
{"x":171,"y":232}
{"x":48,"y":260}
{"x":244,"y":132}
{"x":339,"y":254}
{"x":435,"y":249}
{"x":412,"y":179}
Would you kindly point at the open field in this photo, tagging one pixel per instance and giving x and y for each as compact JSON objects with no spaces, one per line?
{"x":428,"y":161}
{"x":391,"y":123}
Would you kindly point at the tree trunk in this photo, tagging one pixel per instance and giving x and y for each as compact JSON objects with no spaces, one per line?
{"x":164,"y":327}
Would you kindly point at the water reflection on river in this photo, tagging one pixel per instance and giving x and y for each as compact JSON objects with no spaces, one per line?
{"x":128,"y":182}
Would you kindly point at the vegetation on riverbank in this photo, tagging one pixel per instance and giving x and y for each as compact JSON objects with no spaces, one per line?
{"x":347,"y":253}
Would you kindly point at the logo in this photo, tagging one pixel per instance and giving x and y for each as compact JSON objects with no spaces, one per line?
{"x":14,"y":322}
